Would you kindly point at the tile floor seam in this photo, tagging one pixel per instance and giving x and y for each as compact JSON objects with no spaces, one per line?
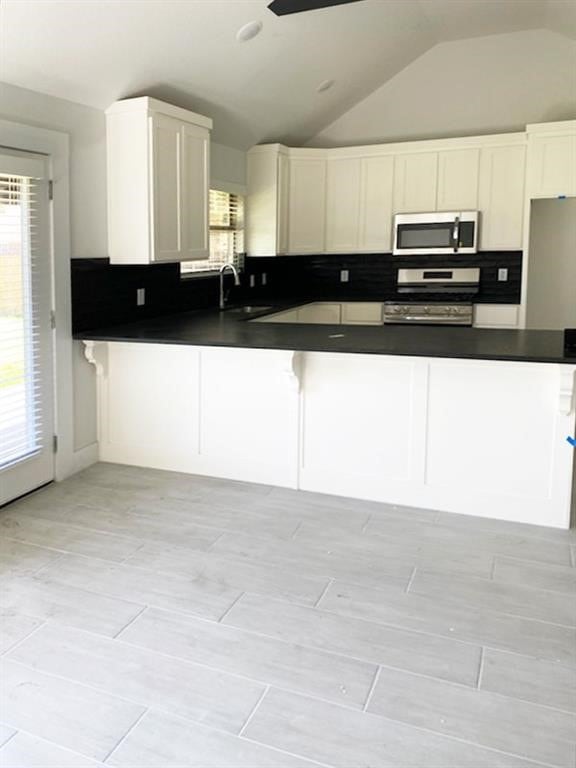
{"x":9,"y":739}
{"x":62,"y":554}
{"x":21,"y":640}
{"x":230,"y":607}
{"x":323,"y":593}
{"x":129,"y":624}
{"x":254,"y":710}
{"x":481,"y":669}
{"x":411,"y":579}
{"x":128,"y":732}
{"x":372,"y":688}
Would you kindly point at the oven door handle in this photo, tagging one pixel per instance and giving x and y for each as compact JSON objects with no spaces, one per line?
{"x":456,"y":234}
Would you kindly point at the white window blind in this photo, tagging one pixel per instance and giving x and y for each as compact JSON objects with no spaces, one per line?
{"x":226,"y":218}
{"x":20,"y":374}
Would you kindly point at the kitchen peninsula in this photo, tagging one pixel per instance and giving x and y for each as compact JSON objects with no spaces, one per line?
{"x":456,"y":419}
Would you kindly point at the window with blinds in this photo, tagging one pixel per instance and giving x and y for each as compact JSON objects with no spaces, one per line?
{"x":20,"y":376}
{"x":226,"y":218}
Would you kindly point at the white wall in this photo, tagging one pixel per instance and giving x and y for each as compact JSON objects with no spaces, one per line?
{"x":483,"y":85}
{"x":551,"y":296}
{"x":86,"y":128}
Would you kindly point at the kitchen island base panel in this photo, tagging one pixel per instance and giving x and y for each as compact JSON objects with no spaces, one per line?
{"x":475,"y":437}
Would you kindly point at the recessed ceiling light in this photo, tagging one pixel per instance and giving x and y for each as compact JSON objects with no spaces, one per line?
{"x":248,"y":31}
{"x":325,"y":85}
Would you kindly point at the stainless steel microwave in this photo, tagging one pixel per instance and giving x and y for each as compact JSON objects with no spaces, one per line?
{"x":447,"y":232}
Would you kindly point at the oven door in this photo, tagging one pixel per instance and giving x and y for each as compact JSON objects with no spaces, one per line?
{"x":435,"y":233}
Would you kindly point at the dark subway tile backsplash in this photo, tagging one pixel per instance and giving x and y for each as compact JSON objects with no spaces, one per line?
{"x":104,"y":295}
{"x":372,"y":276}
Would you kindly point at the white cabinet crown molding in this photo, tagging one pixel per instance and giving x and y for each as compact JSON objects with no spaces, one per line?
{"x":149,"y":105}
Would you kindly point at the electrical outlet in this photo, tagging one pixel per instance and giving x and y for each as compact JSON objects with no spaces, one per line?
{"x":344,"y":275}
{"x":252,"y":281}
{"x":140,"y":297}
{"x":264,"y":278}
{"x":502,"y":274}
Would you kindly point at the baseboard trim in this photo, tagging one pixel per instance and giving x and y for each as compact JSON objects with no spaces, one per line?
{"x":84,"y":458}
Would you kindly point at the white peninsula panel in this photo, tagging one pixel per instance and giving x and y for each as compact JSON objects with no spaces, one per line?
{"x":203,"y":410}
{"x":476,"y":437}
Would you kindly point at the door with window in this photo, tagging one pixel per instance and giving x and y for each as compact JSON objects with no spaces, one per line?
{"x":26,"y":350}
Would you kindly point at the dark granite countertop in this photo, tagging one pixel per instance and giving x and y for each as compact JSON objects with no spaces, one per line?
{"x":232,"y":329}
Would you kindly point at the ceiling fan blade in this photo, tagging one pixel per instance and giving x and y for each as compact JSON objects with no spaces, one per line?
{"x":283,"y":7}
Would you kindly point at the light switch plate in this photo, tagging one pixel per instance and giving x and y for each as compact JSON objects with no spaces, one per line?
{"x":502,"y":274}
{"x":140,"y":297}
{"x":252,"y":281}
{"x":264,"y":278}
{"x":344,"y":275}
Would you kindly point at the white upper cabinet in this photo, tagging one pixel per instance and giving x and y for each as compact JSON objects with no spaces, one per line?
{"x":458,"y":180}
{"x":266,"y":177}
{"x":307,"y":205}
{"x":415,"y":182}
{"x":376,"y":202}
{"x":158,"y":182}
{"x":166,"y":232}
{"x":343,"y":204}
{"x":195,"y":184}
{"x":552,"y":159}
{"x":501,"y":197}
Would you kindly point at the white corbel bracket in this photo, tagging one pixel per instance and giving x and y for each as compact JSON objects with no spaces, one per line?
{"x":96,"y":352}
{"x":293,"y":369}
{"x":567,"y":387}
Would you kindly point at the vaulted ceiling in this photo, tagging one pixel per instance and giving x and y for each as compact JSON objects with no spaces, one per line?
{"x":185,"y":51}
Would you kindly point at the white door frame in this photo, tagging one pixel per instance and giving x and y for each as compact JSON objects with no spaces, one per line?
{"x":55,"y":145}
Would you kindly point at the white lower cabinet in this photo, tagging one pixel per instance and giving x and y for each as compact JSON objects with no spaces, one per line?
{"x":319,"y":312}
{"x":496,"y":315}
{"x":209,"y":411}
{"x":362,"y":313}
{"x":477,"y":437}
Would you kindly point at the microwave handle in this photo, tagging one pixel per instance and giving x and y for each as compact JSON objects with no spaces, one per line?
{"x":456,"y":234}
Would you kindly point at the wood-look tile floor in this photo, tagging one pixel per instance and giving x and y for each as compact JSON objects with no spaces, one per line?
{"x":157,"y":620}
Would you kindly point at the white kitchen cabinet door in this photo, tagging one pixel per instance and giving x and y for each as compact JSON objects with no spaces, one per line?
{"x":496,"y":315}
{"x":552,"y":166}
{"x":376,"y":203}
{"x":342,"y":204}
{"x":166,"y":193}
{"x":282,"y":201}
{"x":501,"y":197}
{"x":307,"y":206}
{"x":362,"y":313}
{"x":320,"y":313}
{"x":249,"y":415}
{"x":458,"y":180}
{"x":158,"y":182}
{"x":415,"y":182}
{"x":194,"y":181}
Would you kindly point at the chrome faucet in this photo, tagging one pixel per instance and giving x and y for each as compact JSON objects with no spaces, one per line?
{"x":223,"y":269}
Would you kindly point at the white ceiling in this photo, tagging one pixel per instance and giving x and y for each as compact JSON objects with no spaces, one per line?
{"x":184,"y":51}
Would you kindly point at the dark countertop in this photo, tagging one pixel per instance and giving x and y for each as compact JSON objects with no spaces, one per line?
{"x":232,"y":329}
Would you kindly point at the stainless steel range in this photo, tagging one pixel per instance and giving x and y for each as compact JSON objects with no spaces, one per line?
{"x":438,"y":296}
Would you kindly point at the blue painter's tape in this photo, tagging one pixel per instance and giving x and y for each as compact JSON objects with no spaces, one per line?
{"x":572,"y":441}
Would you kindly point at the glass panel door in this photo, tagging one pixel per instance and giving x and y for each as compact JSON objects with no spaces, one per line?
{"x":26,"y":386}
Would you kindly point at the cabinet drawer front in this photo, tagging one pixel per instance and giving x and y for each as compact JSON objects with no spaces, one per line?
{"x":362,"y":312}
{"x":496,"y":315}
